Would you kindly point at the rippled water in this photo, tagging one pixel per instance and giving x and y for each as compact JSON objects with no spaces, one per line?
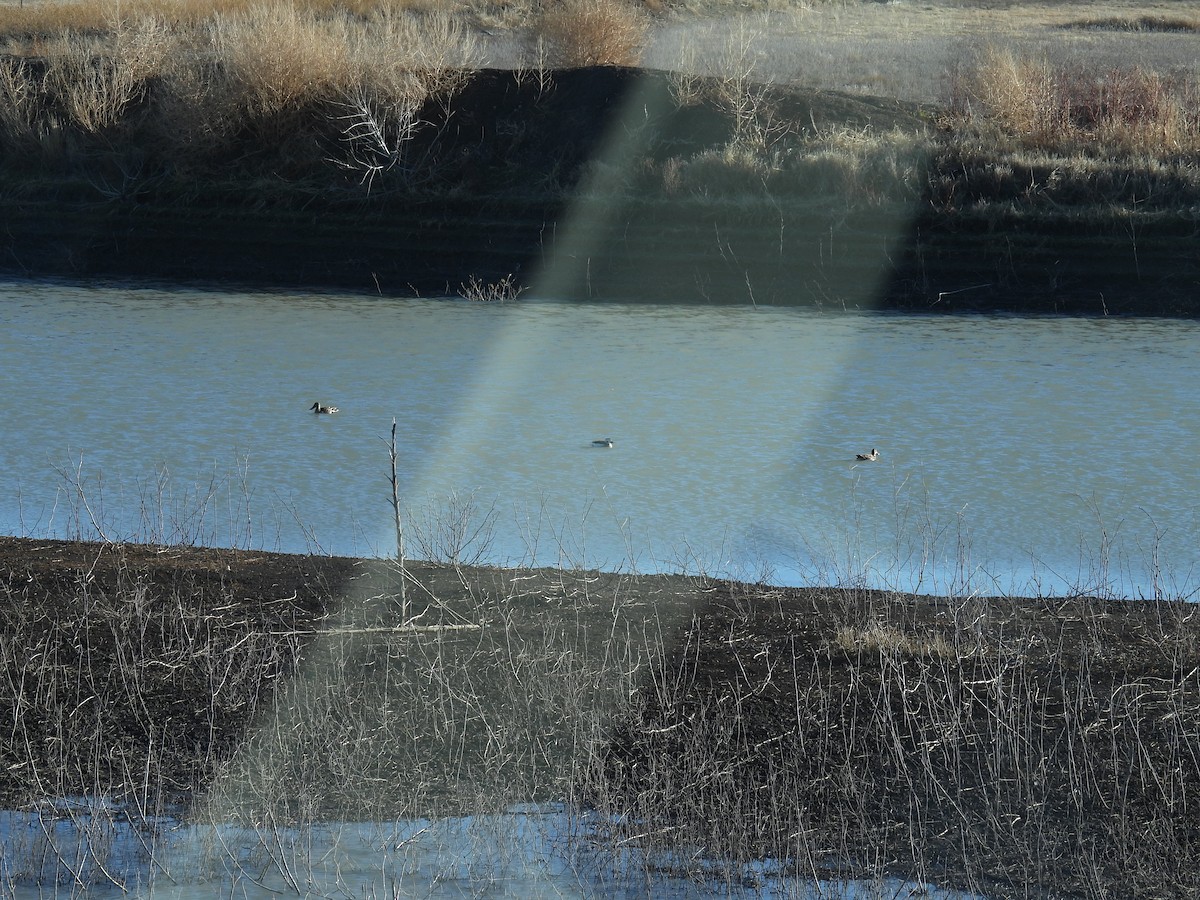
{"x":1017,"y":454}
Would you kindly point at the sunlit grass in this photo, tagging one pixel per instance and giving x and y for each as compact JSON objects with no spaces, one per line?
{"x":593,"y":32}
{"x":1065,"y":108}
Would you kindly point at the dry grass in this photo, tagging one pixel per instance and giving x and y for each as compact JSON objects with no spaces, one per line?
{"x":285,"y":58}
{"x":978,"y":750}
{"x":1067,"y":108}
{"x":888,"y":639}
{"x":280,"y":59}
{"x":189,"y":77}
{"x":309,"y":706}
{"x":206,"y":72}
{"x":1027,"y":136}
{"x":20,"y":104}
{"x":43,"y":18}
{"x":95,"y":79}
{"x":593,"y":33}
{"x":1140,"y":23}
{"x":845,"y":168}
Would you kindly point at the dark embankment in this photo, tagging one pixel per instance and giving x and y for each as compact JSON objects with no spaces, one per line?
{"x":1016,"y":747}
{"x":605,"y":183}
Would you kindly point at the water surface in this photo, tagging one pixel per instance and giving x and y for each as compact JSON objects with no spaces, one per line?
{"x":1016,"y":454}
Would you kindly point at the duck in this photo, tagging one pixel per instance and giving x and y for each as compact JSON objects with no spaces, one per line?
{"x":327,"y":410}
{"x":603,"y":442}
{"x":868,"y":457}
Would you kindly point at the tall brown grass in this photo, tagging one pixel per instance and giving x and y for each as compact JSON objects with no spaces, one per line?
{"x":593,"y":32}
{"x":94,"y":79}
{"x":282,"y":58}
{"x":44,"y":18}
{"x":1049,"y":106}
{"x":189,"y":78}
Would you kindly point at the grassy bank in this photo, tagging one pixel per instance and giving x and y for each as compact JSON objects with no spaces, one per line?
{"x":368,"y":146}
{"x":1018,"y":747}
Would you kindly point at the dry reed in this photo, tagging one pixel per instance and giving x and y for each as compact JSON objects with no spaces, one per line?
{"x":1070,"y":109}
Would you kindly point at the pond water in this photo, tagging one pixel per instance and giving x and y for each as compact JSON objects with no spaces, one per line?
{"x":86,"y":848}
{"x":1016,"y":455}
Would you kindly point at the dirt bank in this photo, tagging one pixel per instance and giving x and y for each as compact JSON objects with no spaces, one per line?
{"x":600,"y":184}
{"x":1021,"y":747}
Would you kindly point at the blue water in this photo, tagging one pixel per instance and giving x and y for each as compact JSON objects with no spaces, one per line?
{"x":1017,"y":455}
{"x":85,"y":847}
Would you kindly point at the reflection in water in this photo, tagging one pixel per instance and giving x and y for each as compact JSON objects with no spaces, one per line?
{"x":1015,"y":454}
{"x":85,"y":847}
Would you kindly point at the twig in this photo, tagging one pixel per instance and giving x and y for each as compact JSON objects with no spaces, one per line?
{"x":399,"y":526}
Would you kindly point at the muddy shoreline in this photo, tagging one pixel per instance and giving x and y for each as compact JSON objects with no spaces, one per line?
{"x":1007,"y":745}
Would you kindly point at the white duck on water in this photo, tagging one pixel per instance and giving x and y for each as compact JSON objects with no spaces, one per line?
{"x":868,"y":457}
{"x":325,"y":410}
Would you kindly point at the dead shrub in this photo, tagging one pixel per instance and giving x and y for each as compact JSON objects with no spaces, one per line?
{"x":197,"y":110}
{"x":95,"y":80}
{"x":19,"y":103}
{"x":404,"y":57}
{"x":581,"y":33}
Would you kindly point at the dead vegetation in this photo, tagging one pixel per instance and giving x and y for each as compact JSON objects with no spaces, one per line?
{"x":1006,"y":747}
{"x":313,"y":124}
{"x":1046,"y":748}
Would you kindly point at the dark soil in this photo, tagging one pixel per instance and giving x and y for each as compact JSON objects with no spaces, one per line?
{"x":1027,"y":747}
